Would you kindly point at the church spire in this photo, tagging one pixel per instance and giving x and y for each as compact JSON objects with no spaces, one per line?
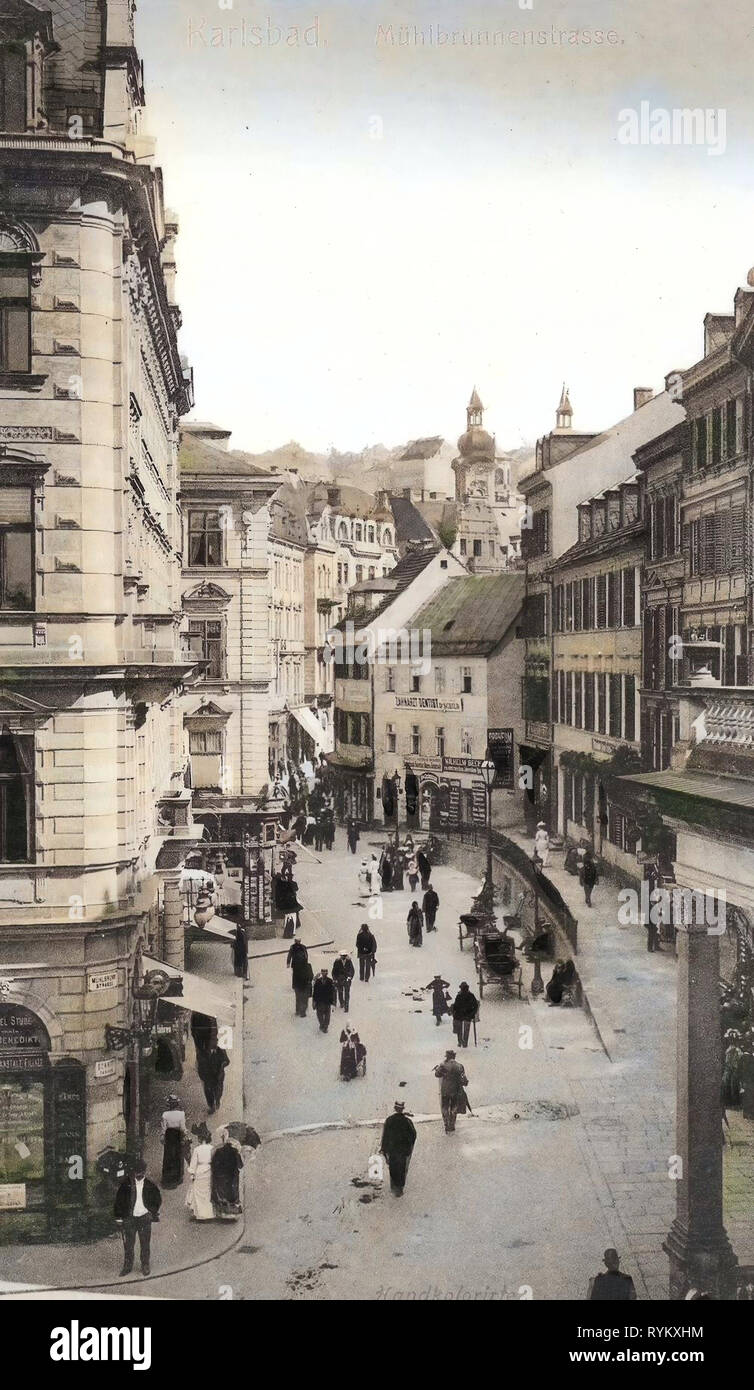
{"x":564,"y":412}
{"x":474,"y":410}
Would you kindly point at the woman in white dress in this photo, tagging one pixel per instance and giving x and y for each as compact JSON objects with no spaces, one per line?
{"x":373,"y":873}
{"x":199,"y":1195}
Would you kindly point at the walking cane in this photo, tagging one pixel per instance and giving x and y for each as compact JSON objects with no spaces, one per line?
{"x":474,"y":1023}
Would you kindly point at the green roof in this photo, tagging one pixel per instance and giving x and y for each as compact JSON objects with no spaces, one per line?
{"x":472,"y":615}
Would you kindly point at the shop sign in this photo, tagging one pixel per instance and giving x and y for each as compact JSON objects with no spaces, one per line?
{"x":500,"y":744}
{"x":602,"y":745}
{"x":427,"y":764}
{"x":13,"y":1196}
{"x":101,"y":979}
{"x":104,"y":1068}
{"x":462,"y":765}
{"x":429,"y":702}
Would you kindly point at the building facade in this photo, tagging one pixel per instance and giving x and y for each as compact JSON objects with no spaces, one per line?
{"x":91,"y":742}
{"x":661,"y":464}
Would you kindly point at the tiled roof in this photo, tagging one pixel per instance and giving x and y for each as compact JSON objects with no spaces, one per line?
{"x":472,"y":614}
{"x":414,"y":561}
{"x":422,"y":448}
{"x":199,"y":457}
{"x":409,"y":523}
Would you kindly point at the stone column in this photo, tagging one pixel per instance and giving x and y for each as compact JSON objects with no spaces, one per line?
{"x":172,"y":928}
{"x":700,"y":1253}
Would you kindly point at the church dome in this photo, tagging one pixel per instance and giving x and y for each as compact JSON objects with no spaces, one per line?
{"x":475,"y":443}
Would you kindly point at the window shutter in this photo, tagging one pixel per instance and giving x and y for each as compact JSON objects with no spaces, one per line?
{"x":629,"y":597}
{"x":589,"y":701}
{"x":629,"y":714}
{"x":601,"y":600}
{"x":737,"y":535}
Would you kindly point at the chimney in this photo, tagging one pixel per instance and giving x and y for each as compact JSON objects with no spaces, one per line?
{"x":642,"y":395}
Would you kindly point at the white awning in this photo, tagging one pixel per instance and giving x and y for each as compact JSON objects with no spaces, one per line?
{"x":199,"y":995}
{"x":310,"y":724}
{"x":220,"y":926}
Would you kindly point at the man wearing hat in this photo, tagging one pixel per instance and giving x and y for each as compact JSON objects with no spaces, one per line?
{"x":453,"y":1080}
{"x":397,"y":1144}
{"x":613,"y":1286}
{"x":137,"y":1205}
{"x":342,"y":973}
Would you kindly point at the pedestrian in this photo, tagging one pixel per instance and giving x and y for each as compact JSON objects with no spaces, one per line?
{"x":397,"y":1144}
{"x":342,"y":974}
{"x":453,"y":1100}
{"x":386,"y":870}
{"x":652,"y":876}
{"x":413,"y":872}
{"x":440,"y":1008}
{"x":212,"y":1076}
{"x":323,"y":999}
{"x":240,"y":952}
{"x":137,"y":1205}
{"x":329,"y":829}
{"x":364,"y":879}
{"x":731,"y":1083}
{"x":352,"y":834}
{"x":199,"y":1195}
{"x":398,"y":870}
{"x":414,"y":922}
{"x":226,"y":1167}
{"x":561,"y":980}
{"x":373,"y":875}
{"x":173,"y":1131}
{"x":542,"y":844}
{"x":465,"y":1010}
{"x":613,"y":1286}
{"x":366,"y":950}
{"x":425,"y":869}
{"x":430,"y":904}
{"x":352,"y":1053}
{"x":588,"y":877}
{"x":301,"y":976}
{"x":319,"y":834}
{"x":204,"y":1033}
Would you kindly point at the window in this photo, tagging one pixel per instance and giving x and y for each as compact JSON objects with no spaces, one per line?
{"x":16,"y":774}
{"x":357,"y":532}
{"x":463,"y":545}
{"x":717,"y":435}
{"x":466,"y":743}
{"x":601,"y":600}
{"x":730,"y":429}
{"x":370,"y":533}
{"x":439,"y":680}
{"x":535,"y":615}
{"x":562,"y":705}
{"x":15,"y":314}
{"x":206,"y":643}
{"x":602,"y":703}
{"x":613,"y":599}
{"x":701,"y":442}
{"x":716,"y":542}
{"x":629,"y":707}
{"x":615,"y":706}
{"x":390,"y":678}
{"x":589,"y":701}
{"x":629,"y":597}
{"x":535,"y":540}
{"x":579,"y":700}
{"x":577,"y":614}
{"x":205,"y":741}
{"x":440,"y":741}
{"x":536,"y":698}
{"x":466,"y":681}
{"x":16,"y":549}
{"x":477,"y":548}
{"x":587,"y":604}
{"x":205,"y":540}
{"x":345,"y":574}
{"x":371,"y":572}
{"x":359,"y":573}
{"x":416,"y":684}
{"x":390,"y":738}
{"x":416,"y":739}
{"x":569,"y":697}
{"x":12,"y":89}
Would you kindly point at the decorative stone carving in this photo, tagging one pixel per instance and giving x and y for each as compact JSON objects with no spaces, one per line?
{"x":18,"y":239}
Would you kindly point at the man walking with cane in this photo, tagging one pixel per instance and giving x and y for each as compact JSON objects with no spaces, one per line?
{"x":465,"y":1009}
{"x":453,"y":1099}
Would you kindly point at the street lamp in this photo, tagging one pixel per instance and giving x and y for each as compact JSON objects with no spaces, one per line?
{"x":488,"y":776}
{"x":396,"y":793}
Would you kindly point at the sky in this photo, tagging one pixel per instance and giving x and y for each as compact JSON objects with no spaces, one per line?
{"x":371,"y":224}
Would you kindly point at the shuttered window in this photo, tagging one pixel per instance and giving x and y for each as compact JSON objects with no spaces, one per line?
{"x":629,"y":707}
{"x":601,"y":600}
{"x":602,"y":703}
{"x":579,"y":700}
{"x":613,"y":600}
{"x":615,"y":706}
{"x":589,"y":701}
{"x":587,"y":604}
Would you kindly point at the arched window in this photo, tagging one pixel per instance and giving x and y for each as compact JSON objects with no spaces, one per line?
{"x":387,"y":536}
{"x":357,"y":531}
{"x":343,"y":531}
{"x":20,"y":259}
{"x":370,"y":533}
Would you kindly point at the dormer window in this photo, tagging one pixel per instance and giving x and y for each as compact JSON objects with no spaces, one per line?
{"x":585,"y":524}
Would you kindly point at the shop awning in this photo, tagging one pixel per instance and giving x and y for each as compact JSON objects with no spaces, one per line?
{"x":220,"y":926}
{"x":199,"y":995}
{"x":310,"y":725}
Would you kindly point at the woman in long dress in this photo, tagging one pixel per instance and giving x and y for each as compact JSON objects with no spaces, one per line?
{"x":199,"y":1195}
{"x":352,"y":1053}
{"x":373,"y":874}
{"x":173,"y":1130}
{"x":226,"y":1166}
{"x":414,"y":922}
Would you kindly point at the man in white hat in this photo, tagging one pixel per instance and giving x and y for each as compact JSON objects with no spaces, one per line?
{"x":342,"y":974}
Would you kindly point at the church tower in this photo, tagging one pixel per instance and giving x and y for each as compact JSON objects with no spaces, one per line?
{"x":476,"y":454}
{"x":564,"y":414}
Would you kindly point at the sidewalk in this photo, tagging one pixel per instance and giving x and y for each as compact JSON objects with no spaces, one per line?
{"x":177,"y":1242}
{"x":629,"y":992}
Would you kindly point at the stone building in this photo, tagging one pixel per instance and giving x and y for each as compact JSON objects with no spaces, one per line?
{"x":91,"y":742}
{"x":288,"y":538}
{"x":388,"y":606}
{"x":597,"y":670}
{"x":226,"y":627}
{"x":434,"y":723}
{"x":488,"y":511}
{"x":569,"y":468}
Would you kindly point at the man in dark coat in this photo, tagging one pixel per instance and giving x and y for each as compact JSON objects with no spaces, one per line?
{"x":204,"y":1032}
{"x":397,"y":1144}
{"x":211,"y":1068}
{"x":323,"y":999}
{"x":465,"y":1008}
{"x":613,"y":1286}
{"x":366,"y":949}
{"x":301,"y":977}
{"x":240,"y":951}
{"x":342,"y":973}
{"x":453,"y":1081}
{"x":352,"y":834}
{"x":425,"y":869}
{"x":588,"y":877}
{"x":137,"y":1205}
{"x":296,"y":952}
{"x":430,"y":904}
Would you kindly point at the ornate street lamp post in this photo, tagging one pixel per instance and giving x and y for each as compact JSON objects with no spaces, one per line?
{"x":488,"y":776}
{"x":396,"y":794}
